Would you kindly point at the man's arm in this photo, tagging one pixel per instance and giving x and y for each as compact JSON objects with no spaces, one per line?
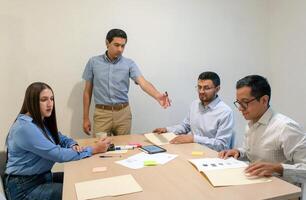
{"x":294,"y":146}
{"x":146,"y":86}
{"x":293,"y":142}
{"x":86,"y":105}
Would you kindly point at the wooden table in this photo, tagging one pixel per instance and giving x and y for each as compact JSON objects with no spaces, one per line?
{"x":177,"y":179}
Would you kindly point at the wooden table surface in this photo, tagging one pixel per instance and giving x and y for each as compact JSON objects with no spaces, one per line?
{"x":177,"y":179}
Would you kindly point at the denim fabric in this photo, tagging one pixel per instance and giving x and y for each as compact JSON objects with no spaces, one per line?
{"x":35,"y":187}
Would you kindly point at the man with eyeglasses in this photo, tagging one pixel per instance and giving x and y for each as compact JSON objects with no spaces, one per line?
{"x":209,"y":121}
{"x":274,"y":143}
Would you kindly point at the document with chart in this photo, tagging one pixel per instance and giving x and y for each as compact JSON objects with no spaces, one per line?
{"x":137,"y":161}
{"x":226,"y":172}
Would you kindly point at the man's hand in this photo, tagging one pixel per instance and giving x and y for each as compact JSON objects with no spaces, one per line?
{"x":264,"y":169}
{"x":163,"y":100}
{"x":229,"y":153}
{"x":160,"y":130}
{"x":86,"y":126}
{"x":102,"y":145}
{"x":182,"y":139}
{"x":77,"y":148}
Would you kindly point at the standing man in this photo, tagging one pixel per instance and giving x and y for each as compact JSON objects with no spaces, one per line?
{"x":107,"y":76}
{"x":274,"y":143}
{"x":209,"y":121}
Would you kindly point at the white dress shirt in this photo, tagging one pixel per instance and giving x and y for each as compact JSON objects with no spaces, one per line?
{"x":211,"y":125}
{"x":276,"y":138}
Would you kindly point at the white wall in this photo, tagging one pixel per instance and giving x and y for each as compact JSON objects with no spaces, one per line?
{"x":287,"y":57}
{"x":171,"y":41}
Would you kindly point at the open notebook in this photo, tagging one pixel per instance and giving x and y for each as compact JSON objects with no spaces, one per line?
{"x":160,"y":139}
{"x":107,"y":187}
{"x":227,"y":172}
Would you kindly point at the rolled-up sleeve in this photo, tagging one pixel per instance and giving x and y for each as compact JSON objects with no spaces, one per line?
{"x":134,"y":71}
{"x":88,"y":72}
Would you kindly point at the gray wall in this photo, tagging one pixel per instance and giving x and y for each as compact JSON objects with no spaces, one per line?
{"x":171,"y":41}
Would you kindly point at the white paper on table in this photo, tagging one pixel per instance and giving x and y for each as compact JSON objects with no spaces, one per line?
{"x":107,"y":187}
{"x":227,"y":172}
{"x":137,"y":161}
{"x":160,"y":139}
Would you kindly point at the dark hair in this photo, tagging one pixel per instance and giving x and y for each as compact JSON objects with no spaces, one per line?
{"x":258,"y":84}
{"x":115,"y":33}
{"x":31,"y":104}
{"x":210,"y":76}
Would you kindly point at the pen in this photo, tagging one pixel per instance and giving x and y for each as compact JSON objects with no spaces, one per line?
{"x":107,"y":156}
{"x":168,"y":99}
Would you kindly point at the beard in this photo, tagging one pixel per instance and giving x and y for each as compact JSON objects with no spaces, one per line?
{"x":207,"y":99}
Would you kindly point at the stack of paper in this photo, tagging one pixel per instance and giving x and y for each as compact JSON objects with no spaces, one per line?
{"x":160,"y":139}
{"x":227,"y":172}
{"x":107,"y":187}
{"x":137,"y":161}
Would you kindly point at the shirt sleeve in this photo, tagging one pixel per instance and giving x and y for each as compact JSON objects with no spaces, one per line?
{"x":134,"y":71}
{"x":182,"y":128}
{"x":294,"y":145}
{"x":223,"y":136}
{"x":88,"y":72}
{"x":65,"y":141}
{"x":30,"y":138}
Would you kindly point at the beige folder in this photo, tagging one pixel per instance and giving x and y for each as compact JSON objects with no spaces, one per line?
{"x":107,"y":187}
{"x":221,"y":172}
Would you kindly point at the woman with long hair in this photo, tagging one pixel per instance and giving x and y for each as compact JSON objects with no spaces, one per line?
{"x":34,"y":145}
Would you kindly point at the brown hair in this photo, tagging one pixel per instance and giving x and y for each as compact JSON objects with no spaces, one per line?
{"x":31,"y":105}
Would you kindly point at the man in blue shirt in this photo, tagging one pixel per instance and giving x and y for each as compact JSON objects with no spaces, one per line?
{"x":209,"y":121}
{"x":107,"y":76}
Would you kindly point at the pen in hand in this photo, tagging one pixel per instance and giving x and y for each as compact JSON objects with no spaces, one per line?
{"x":168,"y":98}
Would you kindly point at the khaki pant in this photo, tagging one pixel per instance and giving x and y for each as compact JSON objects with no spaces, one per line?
{"x":112,"y":122}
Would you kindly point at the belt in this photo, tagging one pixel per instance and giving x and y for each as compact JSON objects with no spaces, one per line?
{"x":118,"y":106}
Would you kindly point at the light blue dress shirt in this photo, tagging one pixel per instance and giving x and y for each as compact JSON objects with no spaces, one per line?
{"x":111,"y":79}
{"x":30,"y":152}
{"x":211,"y":125}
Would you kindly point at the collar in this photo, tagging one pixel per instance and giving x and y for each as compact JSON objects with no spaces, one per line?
{"x":25,"y":117}
{"x":107,"y":59}
{"x":265,"y":118}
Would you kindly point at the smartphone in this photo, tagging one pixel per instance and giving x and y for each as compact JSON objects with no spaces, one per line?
{"x":151,"y":149}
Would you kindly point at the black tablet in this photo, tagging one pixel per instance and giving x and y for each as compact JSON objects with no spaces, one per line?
{"x":150,"y":149}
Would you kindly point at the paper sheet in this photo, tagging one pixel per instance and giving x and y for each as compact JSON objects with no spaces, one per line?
{"x":137,"y":161}
{"x":107,"y":187}
{"x":99,"y":169}
{"x":227,"y":172}
{"x":116,"y":152}
{"x":160,"y":139}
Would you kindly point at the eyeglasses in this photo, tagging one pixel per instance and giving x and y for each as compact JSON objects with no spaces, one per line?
{"x":204,"y":88}
{"x":243,"y":104}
